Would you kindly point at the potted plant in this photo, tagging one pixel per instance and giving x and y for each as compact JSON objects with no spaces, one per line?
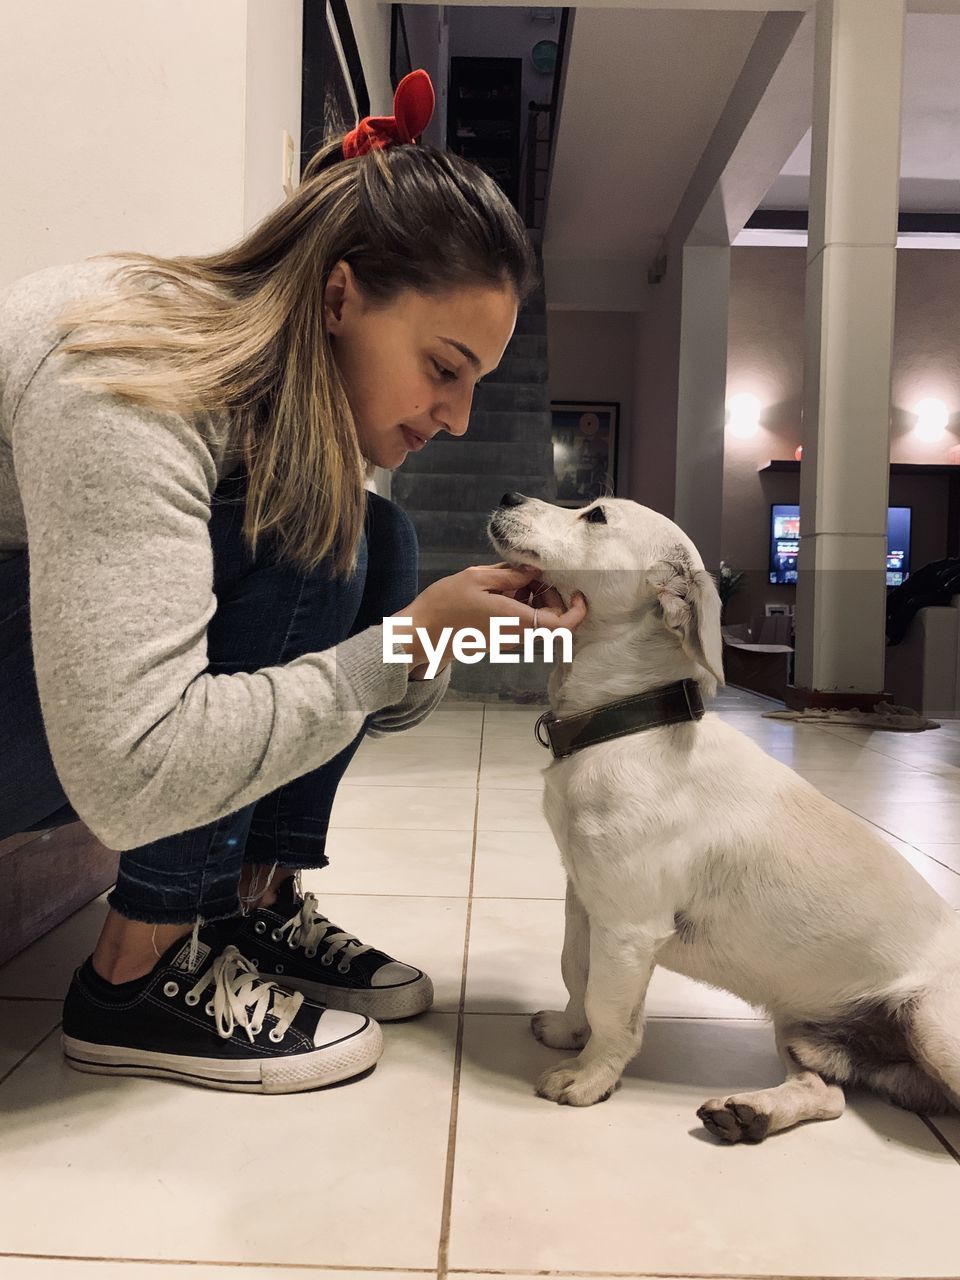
{"x":728,"y":582}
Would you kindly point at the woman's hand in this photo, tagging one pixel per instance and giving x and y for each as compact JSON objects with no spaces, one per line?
{"x":478,"y":594}
{"x":538,"y":595}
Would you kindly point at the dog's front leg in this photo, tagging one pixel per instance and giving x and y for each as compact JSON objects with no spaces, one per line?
{"x":569,"y":1029}
{"x":621,"y":962}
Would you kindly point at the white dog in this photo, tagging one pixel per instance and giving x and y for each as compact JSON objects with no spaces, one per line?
{"x":687,"y":846}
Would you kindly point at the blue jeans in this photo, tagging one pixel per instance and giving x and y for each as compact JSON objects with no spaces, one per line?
{"x":268,"y":613}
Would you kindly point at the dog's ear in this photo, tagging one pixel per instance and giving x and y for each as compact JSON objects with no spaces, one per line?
{"x":690,"y":604}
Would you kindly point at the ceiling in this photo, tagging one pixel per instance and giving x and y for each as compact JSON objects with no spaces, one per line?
{"x":755,"y":6}
{"x":930,"y":158}
{"x":644,"y":90}
{"x":647,"y":82}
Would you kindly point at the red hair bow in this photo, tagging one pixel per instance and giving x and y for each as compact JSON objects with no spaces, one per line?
{"x":413,"y":105}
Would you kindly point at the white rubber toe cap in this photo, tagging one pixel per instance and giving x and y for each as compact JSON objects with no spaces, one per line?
{"x":337,"y":1025}
{"x":394,"y":974}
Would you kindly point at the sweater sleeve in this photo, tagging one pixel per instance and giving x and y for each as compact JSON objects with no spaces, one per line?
{"x":145,"y":741}
{"x":419,"y":701}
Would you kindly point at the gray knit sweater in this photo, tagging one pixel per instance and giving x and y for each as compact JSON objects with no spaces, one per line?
{"x":113,"y":503}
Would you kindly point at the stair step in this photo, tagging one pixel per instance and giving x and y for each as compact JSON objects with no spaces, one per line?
{"x":454,"y":530}
{"x":532,"y":322}
{"x":442,"y":564}
{"x":465,"y":490}
{"x":504,"y":682}
{"x":446,"y":561}
{"x":509,"y":425}
{"x":527,"y":345}
{"x":481,"y":457}
{"x":512,"y":395}
{"x":451,"y":489}
{"x":515,"y":368}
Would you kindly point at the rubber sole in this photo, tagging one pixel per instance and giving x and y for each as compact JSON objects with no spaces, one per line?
{"x":385,"y":1004}
{"x":295,"y":1073}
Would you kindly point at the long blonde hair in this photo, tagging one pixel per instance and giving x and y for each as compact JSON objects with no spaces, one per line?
{"x":243,"y":330}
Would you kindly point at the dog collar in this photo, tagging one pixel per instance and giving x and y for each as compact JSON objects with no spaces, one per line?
{"x":672,"y":704}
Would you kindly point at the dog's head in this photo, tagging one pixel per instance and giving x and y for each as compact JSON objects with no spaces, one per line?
{"x":633,"y":565}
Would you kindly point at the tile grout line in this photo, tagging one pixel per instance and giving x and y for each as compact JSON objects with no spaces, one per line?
{"x":886,"y":831}
{"x":946,"y":866}
{"x":426,"y":1271}
{"x":221,"y":1262}
{"x":944,"y":1141}
{"x":443,"y":1270}
{"x":443,"y":1247}
{"x":20,"y":1061}
{"x":671,"y":1275}
{"x":886,"y":756}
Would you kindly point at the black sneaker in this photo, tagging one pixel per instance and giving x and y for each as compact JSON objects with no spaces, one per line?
{"x":291,"y":942}
{"x":212,"y":1021}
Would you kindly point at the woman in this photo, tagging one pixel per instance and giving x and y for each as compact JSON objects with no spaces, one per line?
{"x":195,"y":578}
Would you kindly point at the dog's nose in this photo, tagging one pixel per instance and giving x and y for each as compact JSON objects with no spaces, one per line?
{"x":512,"y":500}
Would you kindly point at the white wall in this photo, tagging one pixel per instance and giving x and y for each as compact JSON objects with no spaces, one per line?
{"x":119,"y":129}
{"x":152,"y":126}
{"x":592,"y":355}
{"x":272,"y":103}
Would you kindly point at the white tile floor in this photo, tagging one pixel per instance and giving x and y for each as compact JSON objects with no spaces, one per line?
{"x":443,"y":1159}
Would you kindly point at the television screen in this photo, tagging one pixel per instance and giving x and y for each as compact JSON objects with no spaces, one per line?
{"x":785,"y":543}
{"x":898,"y":545}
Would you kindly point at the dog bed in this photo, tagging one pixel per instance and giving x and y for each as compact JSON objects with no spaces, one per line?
{"x":883,"y":716}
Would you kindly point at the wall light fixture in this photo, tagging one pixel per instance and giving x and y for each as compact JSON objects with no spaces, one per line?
{"x":932,"y":419}
{"x":743,"y":415}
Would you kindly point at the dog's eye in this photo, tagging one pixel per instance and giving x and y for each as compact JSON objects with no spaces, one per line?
{"x":595,"y":516}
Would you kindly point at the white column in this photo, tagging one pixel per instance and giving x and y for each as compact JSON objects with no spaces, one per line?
{"x":705,"y":298}
{"x":851,"y":280}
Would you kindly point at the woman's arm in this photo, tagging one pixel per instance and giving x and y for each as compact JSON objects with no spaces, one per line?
{"x":420,"y":700}
{"x":145,"y":741}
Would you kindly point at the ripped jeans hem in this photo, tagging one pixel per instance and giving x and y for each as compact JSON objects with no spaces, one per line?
{"x":173,"y":915}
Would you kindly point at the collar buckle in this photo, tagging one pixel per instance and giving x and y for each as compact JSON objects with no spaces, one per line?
{"x":542,"y":720}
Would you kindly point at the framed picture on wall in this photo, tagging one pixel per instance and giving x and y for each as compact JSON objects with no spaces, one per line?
{"x":334,"y":92}
{"x":584,"y":449}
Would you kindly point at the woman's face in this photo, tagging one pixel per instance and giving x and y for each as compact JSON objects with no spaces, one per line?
{"x":410,"y":367}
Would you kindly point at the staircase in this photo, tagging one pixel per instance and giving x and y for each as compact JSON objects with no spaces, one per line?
{"x":451,"y":488}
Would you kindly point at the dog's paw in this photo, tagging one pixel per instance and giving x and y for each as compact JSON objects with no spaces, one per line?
{"x":734,"y":1121}
{"x":574,"y":1085}
{"x":552,"y":1028}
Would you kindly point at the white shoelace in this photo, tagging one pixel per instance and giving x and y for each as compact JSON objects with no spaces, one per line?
{"x":238,"y":988}
{"x":308,"y":928}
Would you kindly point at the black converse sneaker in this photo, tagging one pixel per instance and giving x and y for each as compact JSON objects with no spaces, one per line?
{"x":211,"y":1019}
{"x":293,"y":943}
